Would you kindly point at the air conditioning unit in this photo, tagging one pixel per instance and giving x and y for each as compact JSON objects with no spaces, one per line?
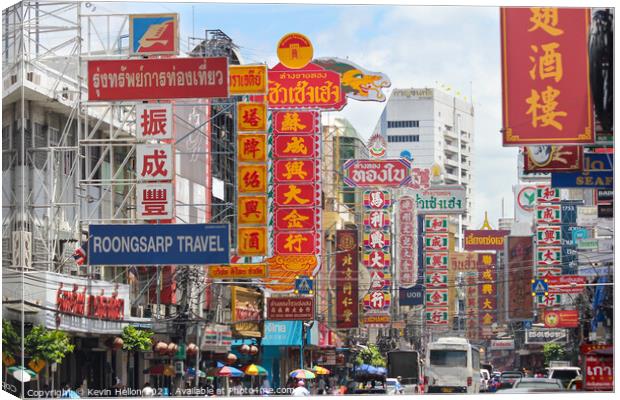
{"x":21,"y":249}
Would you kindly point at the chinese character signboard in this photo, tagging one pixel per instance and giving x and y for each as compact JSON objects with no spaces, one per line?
{"x":548,"y":235}
{"x":347,"y":298}
{"x":295,"y":122}
{"x":377,"y":199}
{"x":154,"y":201}
{"x":252,"y":210}
{"x":164,"y":78}
{"x":290,"y":308}
{"x":546,"y":91}
{"x":487,"y":291}
{"x":251,"y":117}
{"x":406,"y":245}
{"x":153,"y":34}
{"x":436,"y":269}
{"x":154,"y":162}
{"x":251,"y":241}
{"x":252,"y":147}
{"x":247,"y":79}
{"x":518,"y":276}
{"x":153,"y":121}
{"x":436,"y":223}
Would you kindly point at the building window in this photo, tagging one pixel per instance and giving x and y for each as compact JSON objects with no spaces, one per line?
{"x":403,"y":124}
{"x":403,"y":138}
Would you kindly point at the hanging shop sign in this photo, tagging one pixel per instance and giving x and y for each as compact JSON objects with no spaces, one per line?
{"x":238,"y":271}
{"x":357,"y":82}
{"x":377,"y":199}
{"x":420,"y":178}
{"x":251,"y":117}
{"x":162,"y":244}
{"x":154,"y":162}
{"x":436,"y":297}
{"x":413,"y":296}
{"x":252,"y":147}
{"x":376,"y":173}
{"x":436,"y":223}
{"x":525,"y":202}
{"x":437,"y":316}
{"x":297,"y":242}
{"x":547,"y":194}
{"x":544,"y":70}
{"x":518,"y":276}
{"x":295,"y":122}
{"x":605,"y":210}
{"x":252,"y":178}
{"x":347,"y":279}
{"x":406,"y":245}
{"x":297,"y":171}
{"x":154,"y":201}
{"x":377,"y":239}
{"x":376,"y":319}
{"x":436,"y":242}
{"x":295,"y":146}
{"x":599,"y":371}
{"x":252,"y":210}
{"x":153,"y":34}
{"x":296,"y":195}
{"x":153,"y":121}
{"x":485,"y":239}
{"x":560,"y":318}
{"x":377,"y":219}
{"x":436,"y":260}
{"x":446,"y":199}
{"x":548,"y":214}
{"x":310,"y":88}
{"x":247,"y":79}
{"x":76,"y":302}
{"x":571,"y":284}
{"x":487,"y":291}
{"x":552,"y":158}
{"x":604,"y":195}
{"x":377,"y":259}
{"x":377,"y":146}
{"x":246,"y":312}
{"x":545,"y":335}
{"x":548,"y":235}
{"x":164,"y":78}
{"x":597,"y":173}
{"x":548,"y":255}
{"x":436,"y":278}
{"x":290,"y":308}
{"x":295,"y":218}
{"x":377,"y":300}
{"x":217,"y":338}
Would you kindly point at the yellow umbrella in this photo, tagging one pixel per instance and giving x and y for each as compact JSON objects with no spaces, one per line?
{"x":254,"y":370}
{"x":321,"y":370}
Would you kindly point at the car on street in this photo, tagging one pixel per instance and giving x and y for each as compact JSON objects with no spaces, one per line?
{"x":508,"y":378}
{"x":564,"y":373}
{"x":545,"y":384}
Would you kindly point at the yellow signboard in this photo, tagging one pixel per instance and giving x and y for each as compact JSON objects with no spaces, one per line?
{"x":252,"y":241}
{"x":252,"y":210}
{"x":252,"y":178}
{"x":8,"y":360}
{"x":247,"y":79}
{"x":284,"y":269}
{"x":252,"y":147}
{"x":251,"y":117}
{"x":36,"y":365}
{"x":295,"y":50}
{"x":238,"y":271}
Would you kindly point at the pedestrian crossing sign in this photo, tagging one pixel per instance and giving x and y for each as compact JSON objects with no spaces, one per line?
{"x":304,"y":285}
{"x":540,"y":286}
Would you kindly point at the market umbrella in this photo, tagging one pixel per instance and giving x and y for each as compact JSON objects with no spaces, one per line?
{"x":302,"y":374}
{"x":229,"y":371}
{"x":22,"y":374}
{"x":321,"y":370}
{"x":254,"y":370}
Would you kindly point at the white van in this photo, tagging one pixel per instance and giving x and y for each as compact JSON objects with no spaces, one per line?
{"x":452,"y":366}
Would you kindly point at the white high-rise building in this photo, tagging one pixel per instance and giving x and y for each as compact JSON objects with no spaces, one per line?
{"x":430,"y":126}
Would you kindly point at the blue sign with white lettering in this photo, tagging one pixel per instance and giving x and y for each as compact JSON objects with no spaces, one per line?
{"x":164,"y":244}
{"x":597,"y":173}
{"x":579,"y":233}
{"x":413,"y":296}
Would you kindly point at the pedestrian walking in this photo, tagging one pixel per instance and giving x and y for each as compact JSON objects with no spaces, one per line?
{"x":301,"y":390}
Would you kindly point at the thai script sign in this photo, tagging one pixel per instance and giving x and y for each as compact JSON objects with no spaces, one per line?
{"x":572,"y":284}
{"x":485,"y":239}
{"x":449,"y":199}
{"x":545,"y":335}
{"x":96,"y":306}
{"x":167,"y":78}
{"x":151,"y":34}
{"x":376,"y":173}
{"x":597,"y":174}
{"x":546,"y":92}
{"x":153,"y":121}
{"x":346,"y":279}
{"x":552,"y":158}
{"x":163,"y":244}
{"x":502,"y":344}
{"x":313,"y":87}
{"x":561,"y":318}
{"x":247,"y":79}
{"x":238,"y":271}
{"x":290,"y":308}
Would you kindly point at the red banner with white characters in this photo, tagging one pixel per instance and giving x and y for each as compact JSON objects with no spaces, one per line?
{"x":295,"y":122}
{"x":163,"y":78}
{"x":546,"y":91}
{"x":377,"y":199}
{"x":406,"y":243}
{"x":347,"y":301}
{"x":376,"y":173}
{"x":377,"y":259}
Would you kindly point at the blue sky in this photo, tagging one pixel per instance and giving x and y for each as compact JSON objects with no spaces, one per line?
{"x":455,"y":47}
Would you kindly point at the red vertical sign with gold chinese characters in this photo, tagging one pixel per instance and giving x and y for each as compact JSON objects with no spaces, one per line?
{"x":487,"y":292}
{"x":347,"y":299}
{"x":545,"y":75}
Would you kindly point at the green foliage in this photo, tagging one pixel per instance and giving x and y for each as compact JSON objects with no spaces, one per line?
{"x":48,"y":345}
{"x":11,"y":340}
{"x":553,"y":352}
{"x":371,"y":356}
{"x":136,"y":339}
